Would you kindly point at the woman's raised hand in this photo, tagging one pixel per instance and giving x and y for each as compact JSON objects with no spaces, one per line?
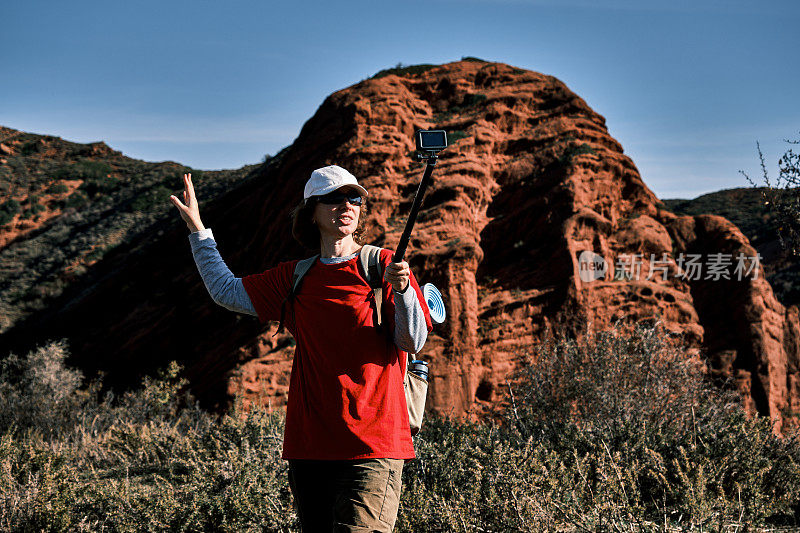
{"x":190,"y":211}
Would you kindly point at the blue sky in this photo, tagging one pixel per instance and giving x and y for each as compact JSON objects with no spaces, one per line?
{"x":687,"y":87}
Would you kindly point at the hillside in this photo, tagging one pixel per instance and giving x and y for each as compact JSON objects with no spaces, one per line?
{"x":67,"y":205}
{"x":745,"y":208}
{"x":531,"y":181}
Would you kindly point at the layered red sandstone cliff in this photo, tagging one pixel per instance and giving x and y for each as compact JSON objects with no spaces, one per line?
{"x":532,"y":179}
{"x":535,"y":180}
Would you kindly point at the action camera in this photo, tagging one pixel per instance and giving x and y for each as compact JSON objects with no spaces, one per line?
{"x":431,"y":140}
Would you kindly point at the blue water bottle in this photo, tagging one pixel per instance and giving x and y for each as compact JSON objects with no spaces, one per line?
{"x":420,"y":368}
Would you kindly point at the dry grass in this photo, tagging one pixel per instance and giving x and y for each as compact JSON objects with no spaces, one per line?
{"x":615,"y":433}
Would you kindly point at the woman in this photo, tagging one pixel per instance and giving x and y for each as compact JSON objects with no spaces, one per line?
{"x":347,"y":431}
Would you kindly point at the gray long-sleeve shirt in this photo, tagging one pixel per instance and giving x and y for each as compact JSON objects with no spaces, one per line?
{"x":410,"y":331}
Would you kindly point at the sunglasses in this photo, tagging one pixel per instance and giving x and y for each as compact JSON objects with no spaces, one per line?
{"x":335,"y":198}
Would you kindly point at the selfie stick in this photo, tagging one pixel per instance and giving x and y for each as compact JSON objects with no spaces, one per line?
{"x":431,"y":155}
{"x":412,"y":217}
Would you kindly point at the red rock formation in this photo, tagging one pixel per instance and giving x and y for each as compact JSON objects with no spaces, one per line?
{"x":531,"y":179}
{"x":536,"y":180}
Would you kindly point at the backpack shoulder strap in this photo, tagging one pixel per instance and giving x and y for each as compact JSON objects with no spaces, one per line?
{"x":370,"y":259}
{"x":300,"y":269}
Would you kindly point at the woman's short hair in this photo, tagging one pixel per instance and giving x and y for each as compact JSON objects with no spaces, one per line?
{"x":306,"y":232}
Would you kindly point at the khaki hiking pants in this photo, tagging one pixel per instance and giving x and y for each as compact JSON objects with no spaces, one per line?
{"x":346,"y":496}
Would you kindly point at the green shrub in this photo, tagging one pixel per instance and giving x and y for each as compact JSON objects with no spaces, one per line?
{"x":37,"y":391}
{"x":34,"y":207}
{"x":33,"y":210}
{"x":404,"y":70}
{"x":99,"y":252}
{"x":608,"y":382}
{"x":572,"y":150}
{"x":469,"y":101}
{"x":457,"y":135}
{"x":783,"y":198}
{"x":8,"y":209}
{"x":85,"y":169}
{"x":174,"y":181}
{"x":76,"y":199}
{"x":99,"y":186}
{"x":473,"y":99}
{"x":11,"y":206}
{"x":29,"y":148}
{"x":629,"y":401}
{"x":150,"y":199}
{"x":57,"y":188}
{"x":440,"y":118}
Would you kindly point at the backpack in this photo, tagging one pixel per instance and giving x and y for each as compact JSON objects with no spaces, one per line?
{"x":416,"y":388}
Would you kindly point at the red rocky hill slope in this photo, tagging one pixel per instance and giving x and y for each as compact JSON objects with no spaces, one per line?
{"x":532,"y":179}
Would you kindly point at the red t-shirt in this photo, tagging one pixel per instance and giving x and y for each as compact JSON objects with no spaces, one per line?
{"x":346,"y":396}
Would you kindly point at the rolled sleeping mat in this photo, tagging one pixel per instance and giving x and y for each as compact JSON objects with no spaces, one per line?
{"x":435,"y":303}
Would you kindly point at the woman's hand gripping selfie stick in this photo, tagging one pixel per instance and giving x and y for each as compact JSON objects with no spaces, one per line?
{"x":430,"y":143}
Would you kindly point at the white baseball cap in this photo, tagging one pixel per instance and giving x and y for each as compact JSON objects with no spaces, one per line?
{"x":328,"y":179}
